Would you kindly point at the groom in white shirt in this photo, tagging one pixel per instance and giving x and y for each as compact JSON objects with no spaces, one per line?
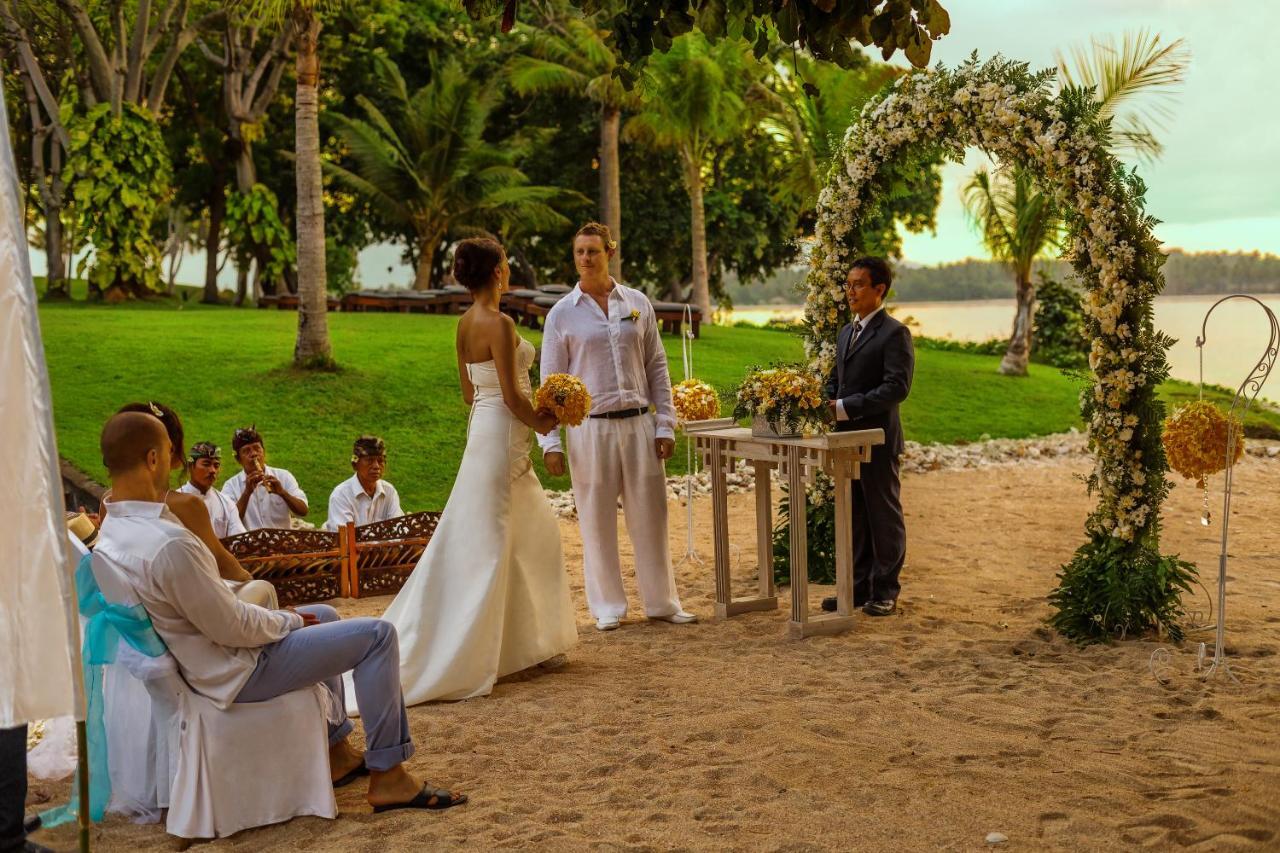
{"x":606,"y":334}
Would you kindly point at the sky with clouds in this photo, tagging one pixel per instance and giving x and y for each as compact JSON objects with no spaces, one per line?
{"x":1217,"y":185}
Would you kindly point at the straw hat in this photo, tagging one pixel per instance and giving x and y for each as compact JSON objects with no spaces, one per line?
{"x":82,"y":528}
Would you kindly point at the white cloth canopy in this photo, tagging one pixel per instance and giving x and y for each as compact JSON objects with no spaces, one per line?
{"x":39,"y":666}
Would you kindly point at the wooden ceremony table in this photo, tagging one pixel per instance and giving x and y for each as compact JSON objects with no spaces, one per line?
{"x":839,"y":455}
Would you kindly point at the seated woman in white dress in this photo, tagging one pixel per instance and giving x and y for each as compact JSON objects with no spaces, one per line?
{"x":490,"y":595}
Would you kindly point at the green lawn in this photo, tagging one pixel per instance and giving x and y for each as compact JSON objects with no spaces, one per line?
{"x":222,"y":368}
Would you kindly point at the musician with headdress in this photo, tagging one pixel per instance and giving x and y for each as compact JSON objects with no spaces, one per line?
{"x":203,"y":464}
{"x":364,"y":497}
{"x":264,"y":496}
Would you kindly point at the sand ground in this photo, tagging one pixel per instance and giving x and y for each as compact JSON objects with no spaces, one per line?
{"x":960,"y":716}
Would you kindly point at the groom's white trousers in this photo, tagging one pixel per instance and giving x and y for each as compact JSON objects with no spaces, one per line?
{"x":612,"y":458}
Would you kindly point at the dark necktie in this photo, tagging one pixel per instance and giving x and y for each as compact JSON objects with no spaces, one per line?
{"x":857,"y":330}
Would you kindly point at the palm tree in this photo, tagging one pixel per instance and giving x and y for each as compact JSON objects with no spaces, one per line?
{"x":1138,"y":67}
{"x":312,"y":347}
{"x":697,"y":96}
{"x":1017,"y":221}
{"x":426,"y":165}
{"x":813,"y":102}
{"x":572,"y":56}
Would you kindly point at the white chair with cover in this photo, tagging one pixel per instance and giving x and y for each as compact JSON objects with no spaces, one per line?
{"x":216,"y":771}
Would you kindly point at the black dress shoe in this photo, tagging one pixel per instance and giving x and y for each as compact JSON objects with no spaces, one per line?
{"x":880,"y":608}
{"x":830,"y":602}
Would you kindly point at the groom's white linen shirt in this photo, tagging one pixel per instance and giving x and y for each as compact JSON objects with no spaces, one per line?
{"x":621,"y":360}
{"x":222,"y":510}
{"x":215,"y":638}
{"x":350,"y":502}
{"x":840,"y":415}
{"x":264,"y":508}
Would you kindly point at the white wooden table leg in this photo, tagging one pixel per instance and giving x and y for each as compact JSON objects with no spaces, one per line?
{"x":799,"y":540}
{"x":720,"y":527}
{"x":844,"y":541}
{"x":764,"y":527}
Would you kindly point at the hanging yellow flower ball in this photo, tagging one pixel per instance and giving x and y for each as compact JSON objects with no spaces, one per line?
{"x":695,"y":400}
{"x":566,"y":395}
{"x":1195,"y":440}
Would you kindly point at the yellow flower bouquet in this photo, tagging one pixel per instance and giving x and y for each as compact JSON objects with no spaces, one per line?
{"x":566,"y":396}
{"x":783,"y":400}
{"x":695,"y":400}
{"x":1195,"y":440}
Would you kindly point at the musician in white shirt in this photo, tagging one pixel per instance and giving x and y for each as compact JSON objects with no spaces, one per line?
{"x":230,"y":651}
{"x":203,"y":464}
{"x":264,"y":496}
{"x":606,"y":334}
{"x":365,"y":497}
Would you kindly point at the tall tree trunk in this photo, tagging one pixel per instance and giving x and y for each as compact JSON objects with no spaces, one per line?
{"x":610,"y":188}
{"x":701,"y":295}
{"x":213,"y":238}
{"x":57,"y":286}
{"x":312,"y":348}
{"x":242,"y":283}
{"x":1016,"y":357}
{"x":426,"y":263}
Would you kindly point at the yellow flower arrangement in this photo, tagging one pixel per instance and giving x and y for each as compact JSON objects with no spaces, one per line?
{"x":785,"y":395}
{"x":1195,"y":440}
{"x":565,"y":395}
{"x":695,"y":400}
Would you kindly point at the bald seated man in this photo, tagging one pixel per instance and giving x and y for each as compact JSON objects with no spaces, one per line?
{"x":231,"y":651}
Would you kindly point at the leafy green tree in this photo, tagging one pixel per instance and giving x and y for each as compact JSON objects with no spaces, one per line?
{"x":697,"y":96}
{"x":572,"y":55}
{"x":425,"y":163}
{"x":120,"y":173}
{"x":825,"y":28}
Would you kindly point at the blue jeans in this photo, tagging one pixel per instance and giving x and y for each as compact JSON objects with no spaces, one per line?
{"x":370,"y":649}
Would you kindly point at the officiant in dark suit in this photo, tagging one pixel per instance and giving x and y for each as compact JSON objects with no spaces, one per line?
{"x":872,"y":376}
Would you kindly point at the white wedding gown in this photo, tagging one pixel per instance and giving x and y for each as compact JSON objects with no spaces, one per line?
{"x":490,"y":595}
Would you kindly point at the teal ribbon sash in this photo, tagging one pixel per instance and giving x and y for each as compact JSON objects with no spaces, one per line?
{"x":107,"y":624}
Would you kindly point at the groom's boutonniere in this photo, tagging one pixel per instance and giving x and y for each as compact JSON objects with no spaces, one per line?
{"x":634,"y":315}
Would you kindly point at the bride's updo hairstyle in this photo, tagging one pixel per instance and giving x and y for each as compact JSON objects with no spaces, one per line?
{"x":474,"y":261}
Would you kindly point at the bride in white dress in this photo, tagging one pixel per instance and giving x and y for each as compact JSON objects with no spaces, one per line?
{"x":490,"y":595}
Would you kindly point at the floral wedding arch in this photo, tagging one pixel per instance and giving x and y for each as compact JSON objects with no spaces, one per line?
{"x":1117,"y":583}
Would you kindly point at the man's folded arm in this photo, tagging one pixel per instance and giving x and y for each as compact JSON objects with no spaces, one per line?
{"x":187,"y":575}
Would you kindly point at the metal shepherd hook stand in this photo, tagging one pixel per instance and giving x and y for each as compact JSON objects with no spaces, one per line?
{"x":691,"y":458}
{"x":1246,"y":394}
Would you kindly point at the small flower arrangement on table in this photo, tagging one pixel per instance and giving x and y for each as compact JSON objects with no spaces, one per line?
{"x":783,"y":400}
{"x":1195,"y":440}
{"x":695,"y":400}
{"x":565,"y":395}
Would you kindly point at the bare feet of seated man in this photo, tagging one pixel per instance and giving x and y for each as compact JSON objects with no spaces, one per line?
{"x":390,"y":789}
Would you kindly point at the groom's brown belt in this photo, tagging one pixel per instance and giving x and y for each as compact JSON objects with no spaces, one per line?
{"x":624,"y":413}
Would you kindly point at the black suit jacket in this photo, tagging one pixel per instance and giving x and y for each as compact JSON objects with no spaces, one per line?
{"x":873,"y":376}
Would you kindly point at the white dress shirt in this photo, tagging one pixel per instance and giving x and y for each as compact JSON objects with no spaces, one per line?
{"x":222,"y":510}
{"x":265,"y":509}
{"x":350,"y":502}
{"x":619,"y":357}
{"x":853,"y":339}
{"x":215,"y":638}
